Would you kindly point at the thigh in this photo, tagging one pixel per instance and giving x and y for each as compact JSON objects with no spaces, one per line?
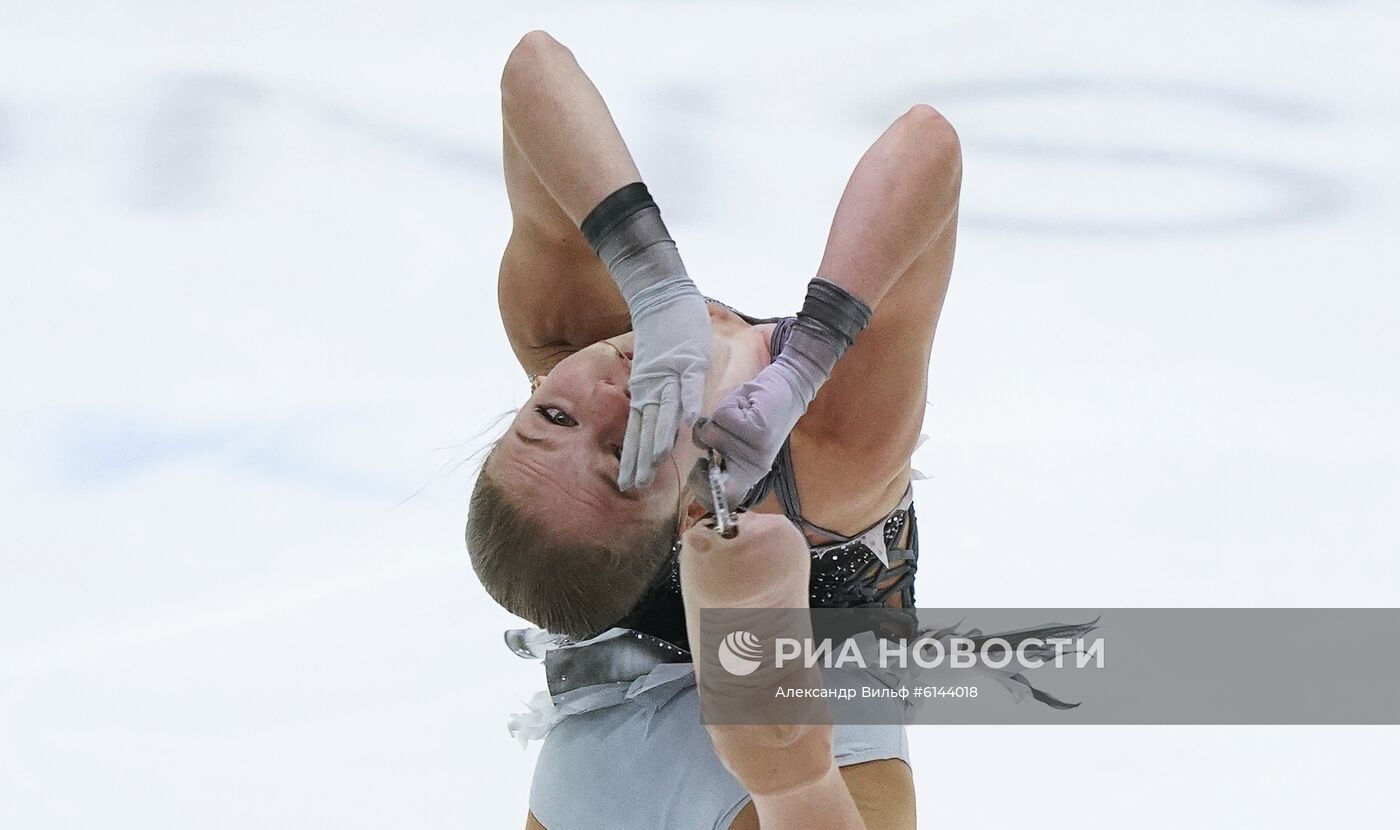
{"x":883,"y":791}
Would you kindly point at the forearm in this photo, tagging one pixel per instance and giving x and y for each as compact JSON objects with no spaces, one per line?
{"x":562,"y":126}
{"x":902,"y":193}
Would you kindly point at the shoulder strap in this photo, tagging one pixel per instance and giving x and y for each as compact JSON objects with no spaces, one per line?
{"x":781,"y":479}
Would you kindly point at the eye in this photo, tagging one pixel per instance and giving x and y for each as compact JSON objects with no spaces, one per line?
{"x":556,"y":416}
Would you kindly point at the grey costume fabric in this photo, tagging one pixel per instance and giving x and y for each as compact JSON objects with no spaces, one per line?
{"x":648,"y":763}
{"x":624,"y":745}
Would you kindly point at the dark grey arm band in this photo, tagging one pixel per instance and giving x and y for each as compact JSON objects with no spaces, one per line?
{"x":614,"y":210}
{"x":832,"y":312}
{"x":827,"y":325}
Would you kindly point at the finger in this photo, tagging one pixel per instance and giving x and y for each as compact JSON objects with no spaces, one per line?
{"x":699,"y":434}
{"x":710,"y":433}
{"x":667,"y":416}
{"x":646,"y":466}
{"x":692,"y":396}
{"x":627,"y":467}
{"x":707,"y":435}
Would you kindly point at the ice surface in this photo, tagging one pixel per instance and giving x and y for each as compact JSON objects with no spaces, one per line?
{"x":247,"y":258}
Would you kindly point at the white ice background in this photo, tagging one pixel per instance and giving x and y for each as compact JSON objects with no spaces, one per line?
{"x":248,"y":340}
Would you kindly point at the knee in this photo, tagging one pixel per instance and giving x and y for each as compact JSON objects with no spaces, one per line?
{"x":929,"y":143}
{"x":536,"y":50}
{"x":770,"y":759}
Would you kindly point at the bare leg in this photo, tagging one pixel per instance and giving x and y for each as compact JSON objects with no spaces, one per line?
{"x":883,"y":791}
{"x":788,"y":769}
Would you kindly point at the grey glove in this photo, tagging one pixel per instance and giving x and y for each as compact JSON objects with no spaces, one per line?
{"x":670,"y":320}
{"x":749,"y":426}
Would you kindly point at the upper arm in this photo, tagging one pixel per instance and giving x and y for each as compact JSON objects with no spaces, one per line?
{"x":555,"y":295}
{"x":555,"y":298}
{"x":872,"y":407}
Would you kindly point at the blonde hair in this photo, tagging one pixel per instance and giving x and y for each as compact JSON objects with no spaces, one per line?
{"x":575,"y":588}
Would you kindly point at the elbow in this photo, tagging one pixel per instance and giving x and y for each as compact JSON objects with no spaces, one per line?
{"x":929,"y":147}
{"x":531,"y":59}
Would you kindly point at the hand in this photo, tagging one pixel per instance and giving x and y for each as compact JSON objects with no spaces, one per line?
{"x":669,"y":362}
{"x":748,"y":429}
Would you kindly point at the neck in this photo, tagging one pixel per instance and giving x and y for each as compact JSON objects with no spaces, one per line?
{"x":738,"y":352}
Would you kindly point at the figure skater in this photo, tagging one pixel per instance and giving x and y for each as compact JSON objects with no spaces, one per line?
{"x":575,"y":519}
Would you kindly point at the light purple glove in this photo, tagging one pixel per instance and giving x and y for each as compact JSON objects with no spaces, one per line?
{"x":748,"y":429}
{"x":749,"y":426}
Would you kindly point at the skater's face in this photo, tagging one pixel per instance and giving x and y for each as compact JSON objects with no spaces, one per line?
{"x":563,"y":449}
